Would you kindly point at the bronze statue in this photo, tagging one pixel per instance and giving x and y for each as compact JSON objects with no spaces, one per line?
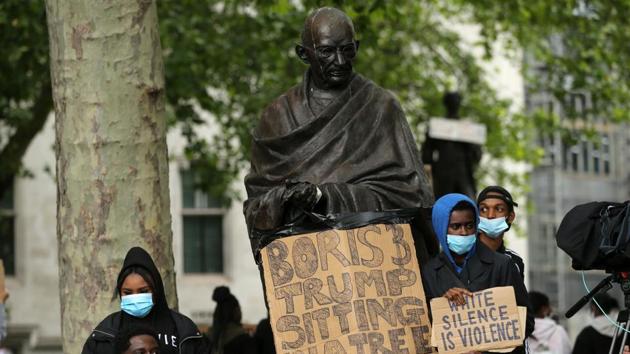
{"x":453,"y":163}
{"x":333,"y":144}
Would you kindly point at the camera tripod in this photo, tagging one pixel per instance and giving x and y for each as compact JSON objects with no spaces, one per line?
{"x":623,"y":321}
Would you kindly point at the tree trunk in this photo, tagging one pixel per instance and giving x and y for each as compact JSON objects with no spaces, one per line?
{"x":112,"y":165}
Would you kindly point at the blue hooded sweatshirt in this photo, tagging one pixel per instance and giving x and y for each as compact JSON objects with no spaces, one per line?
{"x":440,"y":217}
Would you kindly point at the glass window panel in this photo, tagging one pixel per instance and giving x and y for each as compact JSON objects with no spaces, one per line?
{"x":193,"y":197}
{"x":606,"y":153}
{"x":203,"y":244}
{"x":188,"y":189}
{"x":596,"y":162}
{"x":192,"y":243}
{"x":574,"y":159}
{"x":565,"y":153}
{"x":585,"y":155}
{"x":7,"y":200}
{"x":213,"y":233}
{"x":212,"y":202}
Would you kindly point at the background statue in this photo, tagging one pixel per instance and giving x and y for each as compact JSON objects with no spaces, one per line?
{"x":334,"y":143}
{"x":453,"y":163}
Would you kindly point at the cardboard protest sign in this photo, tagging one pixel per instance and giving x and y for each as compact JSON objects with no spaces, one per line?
{"x":461,"y":130}
{"x":489,"y":320}
{"x":350,"y":291}
{"x":522,"y":315}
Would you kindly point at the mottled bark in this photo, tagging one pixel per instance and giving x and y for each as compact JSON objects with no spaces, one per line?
{"x":112,"y":167}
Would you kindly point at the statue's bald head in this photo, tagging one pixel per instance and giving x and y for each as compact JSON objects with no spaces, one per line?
{"x":329,"y":47}
{"x":324,"y":21}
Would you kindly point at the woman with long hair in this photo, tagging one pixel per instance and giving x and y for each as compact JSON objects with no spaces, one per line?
{"x":143,"y":303}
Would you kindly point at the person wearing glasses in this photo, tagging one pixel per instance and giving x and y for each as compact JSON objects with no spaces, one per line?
{"x":335,"y":143}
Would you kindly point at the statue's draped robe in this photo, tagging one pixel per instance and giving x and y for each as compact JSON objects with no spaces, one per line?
{"x":359,"y":151}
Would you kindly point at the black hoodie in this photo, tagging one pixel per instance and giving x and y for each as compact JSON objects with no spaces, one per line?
{"x":177,"y":333}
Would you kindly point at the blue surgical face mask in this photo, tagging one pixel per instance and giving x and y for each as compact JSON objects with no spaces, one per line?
{"x":461,"y":244}
{"x":137,"y":305}
{"x":493,"y":228}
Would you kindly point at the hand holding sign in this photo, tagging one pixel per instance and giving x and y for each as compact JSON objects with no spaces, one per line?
{"x":458,"y":295}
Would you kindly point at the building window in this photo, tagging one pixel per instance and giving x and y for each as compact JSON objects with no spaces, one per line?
{"x":606,"y":153}
{"x":585,"y":154}
{"x":578,"y":105}
{"x":203,"y":228}
{"x":596,"y":154}
{"x":7,"y":232}
{"x":575,"y":152}
{"x":548,"y":144}
{"x":565,"y":154}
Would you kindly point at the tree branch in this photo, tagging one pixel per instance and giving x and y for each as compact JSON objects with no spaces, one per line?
{"x":11,"y":156}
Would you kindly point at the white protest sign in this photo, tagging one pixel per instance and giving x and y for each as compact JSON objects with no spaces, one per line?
{"x":522,"y":314}
{"x":489,"y":320}
{"x":461,"y":130}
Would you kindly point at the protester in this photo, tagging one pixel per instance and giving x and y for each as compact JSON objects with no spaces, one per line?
{"x":228,"y":335}
{"x":143,"y":303}
{"x":548,"y":336}
{"x":465,"y":264}
{"x":496,"y":211}
{"x":3,"y":315}
{"x":137,"y":340}
{"x":597,"y":337}
{"x":264,"y":337}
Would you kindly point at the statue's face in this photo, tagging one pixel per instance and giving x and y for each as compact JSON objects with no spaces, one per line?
{"x":331,"y":54}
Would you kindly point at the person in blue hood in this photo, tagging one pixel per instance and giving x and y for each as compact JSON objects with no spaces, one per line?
{"x":465,"y":264}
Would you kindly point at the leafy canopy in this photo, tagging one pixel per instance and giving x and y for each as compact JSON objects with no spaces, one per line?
{"x":231,"y":58}
{"x":574,"y":47}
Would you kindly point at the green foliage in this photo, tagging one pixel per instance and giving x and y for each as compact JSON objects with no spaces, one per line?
{"x":24,"y":63}
{"x":576,"y":46}
{"x":25,"y":98}
{"x":231,"y":58}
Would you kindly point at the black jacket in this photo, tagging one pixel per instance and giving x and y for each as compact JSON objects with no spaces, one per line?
{"x":103,"y":337}
{"x":589,"y":341}
{"x":264,"y":337}
{"x":485,"y":269}
{"x":516,"y":258}
{"x":173,"y":326}
{"x":242,"y":344}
